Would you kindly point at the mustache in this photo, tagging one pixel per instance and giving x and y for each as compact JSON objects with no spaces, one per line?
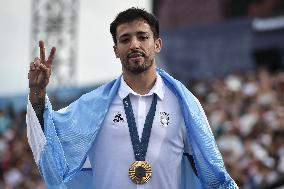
{"x":136,"y":51}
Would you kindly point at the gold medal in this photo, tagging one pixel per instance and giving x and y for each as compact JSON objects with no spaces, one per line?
{"x":140,"y":172}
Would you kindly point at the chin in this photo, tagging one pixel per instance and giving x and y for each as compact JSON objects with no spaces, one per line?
{"x":137,"y":71}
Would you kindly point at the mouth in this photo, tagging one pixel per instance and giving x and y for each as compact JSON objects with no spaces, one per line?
{"x":135,"y":56}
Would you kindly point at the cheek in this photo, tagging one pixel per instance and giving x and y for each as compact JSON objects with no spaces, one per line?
{"x":120,"y":53}
{"x":120,"y":48}
{"x":150,"y":49}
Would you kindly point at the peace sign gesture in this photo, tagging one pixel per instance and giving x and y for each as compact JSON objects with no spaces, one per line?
{"x":40,"y":70}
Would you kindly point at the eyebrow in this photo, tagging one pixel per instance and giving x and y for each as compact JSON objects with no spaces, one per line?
{"x":137,"y":33}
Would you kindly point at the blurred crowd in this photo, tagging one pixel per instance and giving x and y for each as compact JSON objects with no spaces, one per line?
{"x":246,"y":113}
{"x":17,"y":167}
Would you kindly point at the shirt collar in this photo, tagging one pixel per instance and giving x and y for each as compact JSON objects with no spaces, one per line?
{"x":158,"y":88}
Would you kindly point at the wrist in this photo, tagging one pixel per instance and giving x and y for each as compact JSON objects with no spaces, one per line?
{"x":37,"y":95}
{"x":37,"y":92}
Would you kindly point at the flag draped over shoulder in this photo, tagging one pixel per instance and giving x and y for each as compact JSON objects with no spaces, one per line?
{"x":61,"y":150}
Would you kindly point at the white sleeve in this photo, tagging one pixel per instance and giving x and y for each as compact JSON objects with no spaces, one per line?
{"x":35,"y":134}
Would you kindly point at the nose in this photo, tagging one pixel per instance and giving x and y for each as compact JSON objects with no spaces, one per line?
{"x":134,"y":43}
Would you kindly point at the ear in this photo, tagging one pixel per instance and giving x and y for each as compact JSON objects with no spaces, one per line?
{"x":158,"y":45}
{"x":115,"y":51}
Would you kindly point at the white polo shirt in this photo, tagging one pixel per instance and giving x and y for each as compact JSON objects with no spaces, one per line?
{"x":112,"y":152}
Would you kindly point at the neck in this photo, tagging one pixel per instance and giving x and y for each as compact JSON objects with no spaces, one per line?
{"x":141,"y":83}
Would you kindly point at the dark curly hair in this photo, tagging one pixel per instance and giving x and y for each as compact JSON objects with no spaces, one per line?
{"x":132,"y":14}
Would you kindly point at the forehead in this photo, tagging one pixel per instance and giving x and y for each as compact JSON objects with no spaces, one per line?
{"x":133,"y":27}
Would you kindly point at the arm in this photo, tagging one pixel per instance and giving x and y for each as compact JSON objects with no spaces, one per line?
{"x":48,"y":155}
{"x":37,"y":100}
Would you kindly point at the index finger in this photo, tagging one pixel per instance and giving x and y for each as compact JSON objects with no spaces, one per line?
{"x":42,"y":52}
{"x":51,"y":57}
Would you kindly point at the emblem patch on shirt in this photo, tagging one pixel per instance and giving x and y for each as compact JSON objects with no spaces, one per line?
{"x":118,"y":118}
{"x":164,"y":118}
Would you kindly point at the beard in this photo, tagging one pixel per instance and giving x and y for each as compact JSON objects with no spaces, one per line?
{"x":137,"y":67}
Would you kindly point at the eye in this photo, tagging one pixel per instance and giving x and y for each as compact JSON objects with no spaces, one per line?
{"x":124,"y":40}
{"x":143,"y":38}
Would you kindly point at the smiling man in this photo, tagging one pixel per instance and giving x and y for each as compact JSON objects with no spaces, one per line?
{"x":142,"y":130}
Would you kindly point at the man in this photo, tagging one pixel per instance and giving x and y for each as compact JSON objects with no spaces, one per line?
{"x":142,"y":130}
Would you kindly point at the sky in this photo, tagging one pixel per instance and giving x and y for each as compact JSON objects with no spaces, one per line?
{"x":96,"y":62}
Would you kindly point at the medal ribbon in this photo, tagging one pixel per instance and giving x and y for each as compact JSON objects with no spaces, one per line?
{"x":139,"y":147}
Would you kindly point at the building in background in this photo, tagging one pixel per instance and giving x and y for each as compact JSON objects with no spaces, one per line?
{"x":190,"y":12}
{"x":217,"y":37}
{"x":56,"y":23}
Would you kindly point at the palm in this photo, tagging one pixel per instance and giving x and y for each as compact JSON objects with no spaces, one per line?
{"x":38,"y":79}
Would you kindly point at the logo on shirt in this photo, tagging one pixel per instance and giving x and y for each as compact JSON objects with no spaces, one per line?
{"x":164,"y":118}
{"x":118,"y":118}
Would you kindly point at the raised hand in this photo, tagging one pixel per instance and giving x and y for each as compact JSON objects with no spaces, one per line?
{"x":40,"y":70}
{"x":39,"y":74}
